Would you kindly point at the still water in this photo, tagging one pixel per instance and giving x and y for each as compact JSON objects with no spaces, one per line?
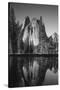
{"x":51,"y":78}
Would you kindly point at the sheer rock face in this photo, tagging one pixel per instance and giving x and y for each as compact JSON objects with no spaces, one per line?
{"x":42,"y":48}
{"x":25,"y":22}
{"x":34,"y":36}
{"x":31,"y":33}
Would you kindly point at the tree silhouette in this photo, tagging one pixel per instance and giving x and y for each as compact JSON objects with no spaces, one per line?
{"x":13,"y":29}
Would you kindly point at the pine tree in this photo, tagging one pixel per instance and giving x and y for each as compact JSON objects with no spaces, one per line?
{"x":13,"y":29}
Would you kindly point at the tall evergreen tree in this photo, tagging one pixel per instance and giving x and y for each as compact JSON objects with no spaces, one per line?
{"x":13,"y":29}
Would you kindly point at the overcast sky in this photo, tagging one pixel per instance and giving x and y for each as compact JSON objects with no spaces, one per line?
{"x":49,"y":15}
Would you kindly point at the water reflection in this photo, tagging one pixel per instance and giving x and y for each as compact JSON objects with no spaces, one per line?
{"x":53,"y":64}
{"x":51,"y":78}
{"x":47,"y":74}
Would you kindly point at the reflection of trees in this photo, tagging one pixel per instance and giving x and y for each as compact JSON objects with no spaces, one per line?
{"x":53,"y":63}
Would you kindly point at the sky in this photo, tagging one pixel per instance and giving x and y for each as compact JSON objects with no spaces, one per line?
{"x":49,"y":14}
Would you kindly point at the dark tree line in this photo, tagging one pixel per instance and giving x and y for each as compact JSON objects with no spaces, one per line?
{"x":13,"y":30}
